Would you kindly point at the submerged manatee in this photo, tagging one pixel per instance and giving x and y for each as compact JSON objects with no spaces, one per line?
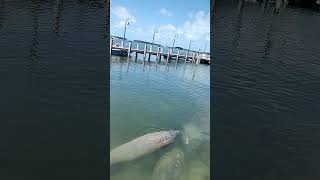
{"x":197,"y":171}
{"x":170,"y":166}
{"x":141,"y":146}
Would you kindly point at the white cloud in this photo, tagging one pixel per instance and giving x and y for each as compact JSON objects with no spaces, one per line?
{"x":165,"y":12}
{"x":167,"y":27}
{"x":121,"y":13}
{"x":166,"y":34}
{"x":197,"y":28}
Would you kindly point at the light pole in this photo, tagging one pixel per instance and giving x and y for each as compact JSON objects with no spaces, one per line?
{"x":205,"y":47}
{"x":154,"y":32}
{"x":189,"y":48}
{"x":189,"y":45}
{"x":125,"y":27}
{"x":174,"y":40}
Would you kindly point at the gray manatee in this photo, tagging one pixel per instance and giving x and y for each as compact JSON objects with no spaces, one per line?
{"x":197,"y":171}
{"x":141,"y":146}
{"x":170,"y":166}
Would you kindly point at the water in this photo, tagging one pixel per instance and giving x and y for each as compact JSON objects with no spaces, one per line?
{"x":54,"y":81}
{"x":266,"y":73}
{"x":150,"y":97}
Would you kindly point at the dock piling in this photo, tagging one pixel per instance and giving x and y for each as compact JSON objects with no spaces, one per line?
{"x":185,"y":60}
{"x":158,"y":49}
{"x":198,"y":59}
{"x":193,"y":55}
{"x":145,"y":52}
{"x":160,"y":56}
{"x":178,"y":54}
{"x":150,"y":48}
{"x":168,"y":57}
{"x":129,"y":49}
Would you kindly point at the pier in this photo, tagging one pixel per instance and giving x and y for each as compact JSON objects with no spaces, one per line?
{"x":123,"y":47}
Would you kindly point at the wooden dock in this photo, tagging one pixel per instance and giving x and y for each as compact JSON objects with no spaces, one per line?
{"x":157,"y":51}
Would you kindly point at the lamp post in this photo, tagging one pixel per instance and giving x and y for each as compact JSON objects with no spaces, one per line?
{"x":154,"y":32}
{"x":174,"y":40}
{"x":189,"y":45}
{"x":125,"y":27}
{"x":189,"y":48}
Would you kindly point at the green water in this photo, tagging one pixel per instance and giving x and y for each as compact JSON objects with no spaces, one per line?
{"x":150,"y":97}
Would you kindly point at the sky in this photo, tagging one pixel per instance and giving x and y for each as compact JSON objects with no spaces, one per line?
{"x":189,"y":19}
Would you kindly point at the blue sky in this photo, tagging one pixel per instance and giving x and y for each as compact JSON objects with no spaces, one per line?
{"x":189,"y":19}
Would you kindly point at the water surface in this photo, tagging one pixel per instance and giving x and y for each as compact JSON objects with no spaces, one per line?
{"x":149,"y":97}
{"x":53,"y":89}
{"x":266,"y":73}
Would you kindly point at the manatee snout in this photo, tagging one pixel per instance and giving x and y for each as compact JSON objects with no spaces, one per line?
{"x":176,"y":132}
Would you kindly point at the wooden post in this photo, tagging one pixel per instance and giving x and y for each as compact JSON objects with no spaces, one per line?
{"x":129,"y":49}
{"x":145,"y":52}
{"x":168,"y":57}
{"x":136,"y":54}
{"x":198,"y":60}
{"x":186,"y":56}
{"x":150,"y":48}
{"x":149,"y":55}
{"x":151,"y":51}
{"x":178,"y":54}
{"x":111,"y":42}
{"x":193,"y":54}
{"x":177,"y":59}
{"x":158,"y":53}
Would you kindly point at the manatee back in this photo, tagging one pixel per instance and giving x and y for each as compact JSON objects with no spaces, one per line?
{"x":141,"y":146}
{"x":198,"y":171}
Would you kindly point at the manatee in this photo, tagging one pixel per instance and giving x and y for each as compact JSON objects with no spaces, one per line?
{"x":141,"y":146}
{"x":197,"y":171}
{"x":170,"y":166}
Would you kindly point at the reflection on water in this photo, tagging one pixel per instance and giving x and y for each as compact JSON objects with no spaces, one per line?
{"x":58,"y":16}
{"x":149,"y":97}
{"x":53,"y":89}
{"x":266,"y":91}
